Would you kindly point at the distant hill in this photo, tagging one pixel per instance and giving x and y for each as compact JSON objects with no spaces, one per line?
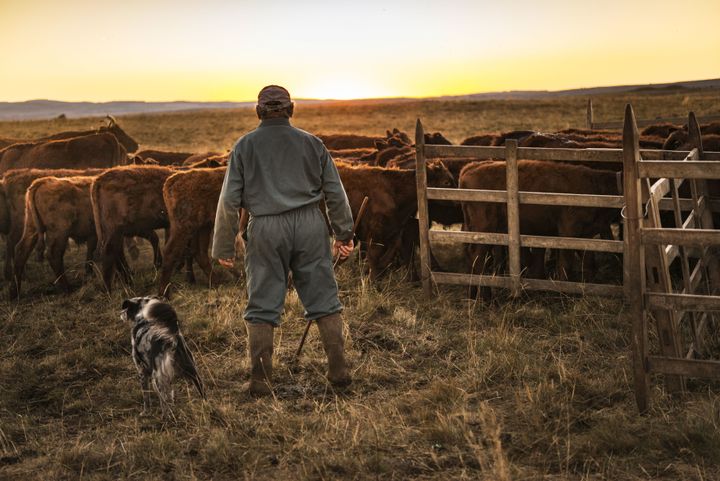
{"x":48,"y":109}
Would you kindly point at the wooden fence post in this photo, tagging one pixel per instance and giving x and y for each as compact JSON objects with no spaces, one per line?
{"x":633,"y":259}
{"x":423,"y":217}
{"x":589,"y":114}
{"x":513,"y":213}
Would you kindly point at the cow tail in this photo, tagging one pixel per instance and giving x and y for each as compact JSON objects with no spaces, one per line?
{"x":97,"y":214}
{"x":32,"y":215}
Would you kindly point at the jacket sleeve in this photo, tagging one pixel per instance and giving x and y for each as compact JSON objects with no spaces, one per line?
{"x":336,"y":199}
{"x":227,"y":215}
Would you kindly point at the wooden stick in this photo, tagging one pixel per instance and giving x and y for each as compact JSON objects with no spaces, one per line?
{"x":359,"y":217}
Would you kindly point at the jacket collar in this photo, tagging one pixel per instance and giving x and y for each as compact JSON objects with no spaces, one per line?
{"x":274,"y":122}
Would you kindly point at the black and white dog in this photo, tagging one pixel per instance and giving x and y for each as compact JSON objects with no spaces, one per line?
{"x":159,"y":350}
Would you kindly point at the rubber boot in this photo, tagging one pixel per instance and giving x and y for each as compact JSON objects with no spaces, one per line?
{"x":331,"y":334}
{"x":260,"y":348}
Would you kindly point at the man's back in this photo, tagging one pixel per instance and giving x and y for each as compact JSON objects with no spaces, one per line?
{"x":282,"y":167}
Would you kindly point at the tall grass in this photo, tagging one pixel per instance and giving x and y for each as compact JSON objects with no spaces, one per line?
{"x":538,"y":387}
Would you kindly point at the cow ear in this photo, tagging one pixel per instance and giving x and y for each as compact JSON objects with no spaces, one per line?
{"x":396,"y":130}
{"x":388,"y":134}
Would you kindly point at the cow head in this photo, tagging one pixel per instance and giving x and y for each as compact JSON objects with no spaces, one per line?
{"x":436,"y":138}
{"x":400,"y":138}
{"x":439,"y":176}
{"x":113,"y":128}
{"x":676,"y":140}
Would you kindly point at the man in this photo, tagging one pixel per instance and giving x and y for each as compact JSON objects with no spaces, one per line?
{"x":280,"y":174}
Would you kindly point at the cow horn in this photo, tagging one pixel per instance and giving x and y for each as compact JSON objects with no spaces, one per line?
{"x":111,"y":120}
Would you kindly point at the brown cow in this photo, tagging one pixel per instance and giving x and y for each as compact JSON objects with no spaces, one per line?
{"x":191,"y":199}
{"x":112,"y":128}
{"x":680,"y":140}
{"x":127,"y":201}
{"x":660,"y":130}
{"x":351,"y":153}
{"x":195,"y":158}
{"x":347,"y":141}
{"x":392,"y":204}
{"x":536,"y":176}
{"x":16,"y":183}
{"x":711,"y":128}
{"x":209,"y":163}
{"x":91,"y":151}
{"x":163,"y":157}
{"x":6,"y":142}
{"x":59,"y":209}
{"x":436,"y":138}
{"x":482,"y":140}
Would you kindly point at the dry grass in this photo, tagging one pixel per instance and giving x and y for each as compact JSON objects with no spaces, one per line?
{"x":445,"y":388}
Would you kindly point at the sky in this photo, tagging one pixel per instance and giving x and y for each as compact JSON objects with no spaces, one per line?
{"x":218,"y":50}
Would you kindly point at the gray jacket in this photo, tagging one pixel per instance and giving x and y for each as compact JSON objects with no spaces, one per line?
{"x":274,"y":169}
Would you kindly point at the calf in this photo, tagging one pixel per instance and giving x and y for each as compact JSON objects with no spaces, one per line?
{"x":15,"y":185}
{"x":127,"y":201}
{"x":59,"y":209}
{"x":536,"y":176}
{"x":191,"y":199}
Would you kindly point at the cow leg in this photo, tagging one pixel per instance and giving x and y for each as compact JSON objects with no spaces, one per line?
{"x":122,"y":264}
{"x":7,"y":270}
{"x":379,"y":258}
{"x":152,"y":237}
{"x":410,"y":239}
{"x":110,"y":258}
{"x":56,"y":252}
{"x":534,"y":260}
{"x":173,"y":254}
{"x":40,"y":248}
{"x":12,"y":240}
{"x":189,"y":271}
{"x":201,"y":253}
{"x":90,"y":255}
{"x":23,"y":250}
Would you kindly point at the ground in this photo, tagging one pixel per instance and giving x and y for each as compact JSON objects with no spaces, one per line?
{"x":538,"y":387}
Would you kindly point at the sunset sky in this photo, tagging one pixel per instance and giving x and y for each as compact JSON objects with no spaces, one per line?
{"x":216,"y":50}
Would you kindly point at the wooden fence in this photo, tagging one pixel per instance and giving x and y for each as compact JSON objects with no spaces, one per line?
{"x":648,"y":249}
{"x":592,"y":125}
{"x":682,"y":314}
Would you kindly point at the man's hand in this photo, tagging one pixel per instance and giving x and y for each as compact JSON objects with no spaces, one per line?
{"x":229,"y":263}
{"x":343,"y":248}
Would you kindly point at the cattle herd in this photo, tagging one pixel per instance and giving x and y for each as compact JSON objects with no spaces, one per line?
{"x":94,"y":187}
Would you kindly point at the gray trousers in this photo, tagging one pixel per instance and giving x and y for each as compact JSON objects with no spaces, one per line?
{"x":295,"y":241}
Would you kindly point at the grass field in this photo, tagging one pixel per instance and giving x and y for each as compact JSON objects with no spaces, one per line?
{"x":537,"y":388}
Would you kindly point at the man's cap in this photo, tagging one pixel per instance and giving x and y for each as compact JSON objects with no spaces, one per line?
{"x":274,"y":97}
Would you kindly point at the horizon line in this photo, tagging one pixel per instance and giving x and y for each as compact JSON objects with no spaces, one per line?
{"x":305,"y":99}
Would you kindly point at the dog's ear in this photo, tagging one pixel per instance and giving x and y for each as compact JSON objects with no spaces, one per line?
{"x":126,"y":304}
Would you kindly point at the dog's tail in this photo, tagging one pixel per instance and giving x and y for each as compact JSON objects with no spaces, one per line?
{"x":186,"y":362}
